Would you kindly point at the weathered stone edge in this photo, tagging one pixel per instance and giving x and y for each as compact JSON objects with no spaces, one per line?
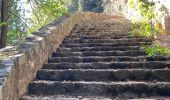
{"x":25,"y":57}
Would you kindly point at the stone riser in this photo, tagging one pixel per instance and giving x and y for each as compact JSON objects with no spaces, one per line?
{"x":97,"y":48}
{"x":111,"y":65}
{"x":80,"y":59}
{"x":67,"y":97}
{"x":96,"y":27}
{"x":61,"y":97}
{"x":99,"y":34}
{"x":100,"y":53}
{"x":105,"y":75}
{"x":95,"y":59}
{"x":82,"y":36}
{"x":106,"y":44}
{"x":103,"y":41}
{"x":134,"y":89}
{"x":108,"y":40}
{"x":99,"y":30}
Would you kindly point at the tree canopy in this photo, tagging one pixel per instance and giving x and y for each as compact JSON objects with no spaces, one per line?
{"x":25,"y":16}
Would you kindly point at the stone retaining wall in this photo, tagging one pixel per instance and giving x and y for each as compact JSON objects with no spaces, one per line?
{"x":20,"y":62}
{"x":167,"y":25}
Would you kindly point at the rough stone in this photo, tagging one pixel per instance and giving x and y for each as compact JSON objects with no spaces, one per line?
{"x":167,"y":25}
{"x":21,"y":61}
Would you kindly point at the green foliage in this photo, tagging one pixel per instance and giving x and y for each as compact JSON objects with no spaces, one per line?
{"x":142,"y":29}
{"x":23,"y":21}
{"x":156,"y":50}
{"x":2,"y":23}
{"x":145,"y":7}
{"x":148,"y":26}
{"x":45,"y":11}
{"x":17,"y":23}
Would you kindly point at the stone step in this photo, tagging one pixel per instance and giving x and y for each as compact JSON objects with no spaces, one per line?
{"x":104,"y":40}
{"x":97,"y":48}
{"x":99,"y":31}
{"x":94,"y":26}
{"x":108,"y":89}
{"x":99,"y":37}
{"x":107,"y":75}
{"x":105,"y":44}
{"x":96,"y":59}
{"x":112,"y":31}
{"x":100,"y":53}
{"x":107,"y":39}
{"x":79,"y":59}
{"x":66,"y":97}
{"x":94,"y":32}
{"x":110,"y":65}
{"x":63,"y":97}
{"x":111,"y":27}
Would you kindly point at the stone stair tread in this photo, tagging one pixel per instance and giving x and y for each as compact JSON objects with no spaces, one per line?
{"x":103,"y":40}
{"x":67,"y":97}
{"x":78,"y":54}
{"x":100,"y":32}
{"x":131,"y":70}
{"x":94,"y":88}
{"x":110,"y":65}
{"x":109,"y":58}
{"x":114,"y":51}
{"x":101,"y":53}
{"x":114,"y":43}
{"x":101,"y":82}
{"x":93,"y":57}
{"x":104,"y":74}
{"x":63,"y":97}
{"x":103,"y":32}
{"x":99,"y":48}
{"x":123,"y":38}
{"x":96,"y":59}
{"x":99,"y":37}
{"x":105,"y":44}
{"x":168,"y":62}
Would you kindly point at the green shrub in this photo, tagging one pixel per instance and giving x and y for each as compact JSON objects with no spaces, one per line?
{"x":142,"y":29}
{"x":156,"y":50}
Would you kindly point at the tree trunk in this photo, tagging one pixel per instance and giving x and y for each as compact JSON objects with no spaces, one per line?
{"x":4,"y":19}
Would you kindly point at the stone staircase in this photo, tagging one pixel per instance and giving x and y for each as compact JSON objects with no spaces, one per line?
{"x":100,"y":62}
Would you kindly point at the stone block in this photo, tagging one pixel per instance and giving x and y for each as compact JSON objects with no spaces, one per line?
{"x":167,"y":25}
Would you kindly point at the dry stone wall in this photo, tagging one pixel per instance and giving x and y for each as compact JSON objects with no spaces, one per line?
{"x":20,"y":62}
